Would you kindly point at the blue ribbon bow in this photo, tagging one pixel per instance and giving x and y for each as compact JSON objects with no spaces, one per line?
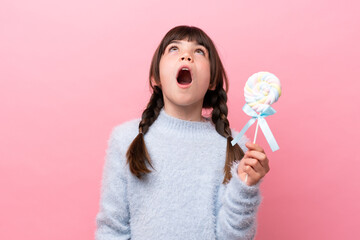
{"x":263,"y":125}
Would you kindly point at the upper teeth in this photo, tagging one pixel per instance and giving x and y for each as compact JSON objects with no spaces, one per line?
{"x":185,"y":69}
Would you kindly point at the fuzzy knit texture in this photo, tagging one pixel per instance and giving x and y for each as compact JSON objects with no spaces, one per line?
{"x":183,"y":198}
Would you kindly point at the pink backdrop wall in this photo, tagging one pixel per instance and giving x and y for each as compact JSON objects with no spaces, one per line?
{"x":72,"y":70}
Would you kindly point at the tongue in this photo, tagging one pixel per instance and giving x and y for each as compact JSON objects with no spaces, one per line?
{"x":184,"y":77}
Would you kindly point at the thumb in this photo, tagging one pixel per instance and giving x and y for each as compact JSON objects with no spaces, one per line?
{"x":240,"y":171}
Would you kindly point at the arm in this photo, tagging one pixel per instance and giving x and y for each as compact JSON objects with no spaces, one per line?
{"x":113,"y":217}
{"x":236,"y":217}
{"x":237,"y":205}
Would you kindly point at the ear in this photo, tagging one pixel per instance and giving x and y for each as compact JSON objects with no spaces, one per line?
{"x":212,"y":86}
{"x":154,"y":83}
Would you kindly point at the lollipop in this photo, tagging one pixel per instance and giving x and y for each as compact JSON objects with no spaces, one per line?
{"x":261,"y":90}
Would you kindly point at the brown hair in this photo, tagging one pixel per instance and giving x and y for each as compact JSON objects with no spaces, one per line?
{"x":137,"y":155}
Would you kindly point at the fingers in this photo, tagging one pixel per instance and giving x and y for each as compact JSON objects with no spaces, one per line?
{"x":252,"y":170}
{"x":257,"y":152}
{"x":253,"y":176}
{"x":260,"y":157}
{"x":254,"y":146}
{"x":255,"y":163}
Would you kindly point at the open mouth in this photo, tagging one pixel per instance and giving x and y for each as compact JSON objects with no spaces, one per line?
{"x":184,"y":76}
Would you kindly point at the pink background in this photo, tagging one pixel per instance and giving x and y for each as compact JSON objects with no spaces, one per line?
{"x":72,"y":70}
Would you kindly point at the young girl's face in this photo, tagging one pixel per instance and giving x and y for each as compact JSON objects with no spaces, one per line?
{"x":184,"y":74}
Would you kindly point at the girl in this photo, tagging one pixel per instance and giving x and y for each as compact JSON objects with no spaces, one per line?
{"x":173,"y":174}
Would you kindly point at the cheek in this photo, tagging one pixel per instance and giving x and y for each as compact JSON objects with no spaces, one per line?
{"x":204,"y":82}
{"x":164,"y":69}
{"x":206,"y":72}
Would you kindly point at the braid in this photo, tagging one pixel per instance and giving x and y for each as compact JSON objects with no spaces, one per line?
{"x":137,"y":154}
{"x":220,"y":112}
{"x":219,"y":118}
{"x":152,"y":110}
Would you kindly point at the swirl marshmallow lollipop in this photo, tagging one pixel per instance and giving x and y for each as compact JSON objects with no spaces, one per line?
{"x":261,"y":90}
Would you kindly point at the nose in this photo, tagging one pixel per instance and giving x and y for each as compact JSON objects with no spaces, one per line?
{"x":186,"y":57}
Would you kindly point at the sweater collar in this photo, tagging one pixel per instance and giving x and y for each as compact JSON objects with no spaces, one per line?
{"x":182,"y":128}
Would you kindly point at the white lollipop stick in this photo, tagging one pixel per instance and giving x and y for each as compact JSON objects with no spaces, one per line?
{"x":257,"y":127}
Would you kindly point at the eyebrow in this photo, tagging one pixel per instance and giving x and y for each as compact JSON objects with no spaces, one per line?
{"x":178,"y":42}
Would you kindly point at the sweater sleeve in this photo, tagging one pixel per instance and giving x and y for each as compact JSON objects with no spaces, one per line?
{"x":237,"y":207}
{"x":112,"y":220}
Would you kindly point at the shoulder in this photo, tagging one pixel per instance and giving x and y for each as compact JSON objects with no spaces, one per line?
{"x":120,"y":138}
{"x":125,"y":132}
{"x":127,"y":127}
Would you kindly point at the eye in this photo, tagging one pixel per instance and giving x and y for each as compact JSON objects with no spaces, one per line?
{"x":201,"y":51}
{"x":173,"y":48}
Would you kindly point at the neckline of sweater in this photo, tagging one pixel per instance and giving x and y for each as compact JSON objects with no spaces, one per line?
{"x":170,"y":125}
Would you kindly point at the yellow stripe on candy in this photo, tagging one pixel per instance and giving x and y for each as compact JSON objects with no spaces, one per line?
{"x":277,"y":88}
{"x":248,"y":88}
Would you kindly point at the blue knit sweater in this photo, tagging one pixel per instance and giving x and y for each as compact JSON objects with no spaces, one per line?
{"x":183,"y":198}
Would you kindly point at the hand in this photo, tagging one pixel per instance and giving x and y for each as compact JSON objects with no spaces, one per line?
{"x":254,"y":164}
